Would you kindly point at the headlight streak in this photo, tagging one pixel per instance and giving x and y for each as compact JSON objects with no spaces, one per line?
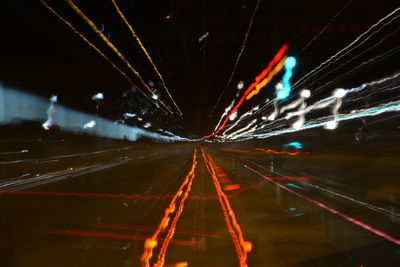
{"x":331,"y":210}
{"x":146,"y":53}
{"x":392,"y":106}
{"x":316,"y":79}
{"x":66,"y":22}
{"x":114,"y":49}
{"x":339,"y":96}
{"x":242,"y":129}
{"x":349,"y":47}
{"x":264,"y":73}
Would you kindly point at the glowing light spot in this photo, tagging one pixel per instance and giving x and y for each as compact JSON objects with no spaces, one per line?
{"x":129,"y":115}
{"x":298,"y":124}
{"x":331,"y":125}
{"x":248,"y":246}
{"x":296,"y":145}
{"x":98,"y":96}
{"x":340,"y":92}
{"x":305,"y":93}
{"x":283,"y":93}
{"x":90,"y":124}
{"x":240,"y":85}
{"x":151,"y":243}
{"x":233,"y":116}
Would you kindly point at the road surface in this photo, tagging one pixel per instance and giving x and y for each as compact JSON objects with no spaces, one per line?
{"x":197,"y":205}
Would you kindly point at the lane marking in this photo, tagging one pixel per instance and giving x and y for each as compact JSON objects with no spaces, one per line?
{"x":242,"y":247}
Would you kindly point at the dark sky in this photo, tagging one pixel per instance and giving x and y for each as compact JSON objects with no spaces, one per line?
{"x":41,"y":55}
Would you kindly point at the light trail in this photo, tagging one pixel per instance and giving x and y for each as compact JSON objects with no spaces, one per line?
{"x":113,"y":48}
{"x":280,"y":152}
{"x":264,"y":73}
{"x":146,"y":53}
{"x":326,"y":26}
{"x":49,"y":122}
{"x":242,"y":247}
{"x":284,"y":92}
{"x":339,"y":96}
{"x":266,"y":80}
{"x":331,"y":210}
{"x":348,"y":48}
{"x":152,"y":242}
{"x":66,"y":22}
{"x":239,"y":55}
{"x":151,"y":229}
{"x":171,"y":230}
{"x":113,"y":236}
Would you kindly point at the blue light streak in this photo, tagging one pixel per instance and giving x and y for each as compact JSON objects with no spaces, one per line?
{"x":283,"y":93}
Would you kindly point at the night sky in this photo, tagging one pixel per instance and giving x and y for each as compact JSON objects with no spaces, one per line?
{"x":40,"y":54}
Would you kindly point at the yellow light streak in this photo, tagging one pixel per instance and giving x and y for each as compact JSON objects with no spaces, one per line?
{"x":95,"y":48}
{"x":267,"y":79}
{"x":145,"y":51}
{"x":115,"y":49}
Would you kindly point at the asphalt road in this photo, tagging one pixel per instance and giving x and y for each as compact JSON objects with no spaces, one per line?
{"x":120,"y":204}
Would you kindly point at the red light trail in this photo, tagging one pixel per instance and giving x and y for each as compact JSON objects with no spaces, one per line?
{"x":258,"y":79}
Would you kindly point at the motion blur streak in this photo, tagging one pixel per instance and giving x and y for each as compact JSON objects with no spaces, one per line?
{"x":145,"y":51}
{"x":242,"y":247}
{"x":347,"y":49}
{"x":112,"y":46}
{"x":284,"y":92}
{"x":112,"y":236}
{"x":171,"y":230}
{"x":264,"y":82}
{"x":74,"y":194}
{"x":94,"y":47}
{"x":264,"y":73}
{"x":151,"y":242}
{"x":279,"y":152}
{"x":331,"y":210}
{"x":150,"y":228}
{"x":17,"y":106}
{"x":239,"y":55}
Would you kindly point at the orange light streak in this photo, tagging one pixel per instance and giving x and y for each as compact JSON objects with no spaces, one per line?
{"x":242,"y":247}
{"x":231,"y":187}
{"x":279,"y":152}
{"x":171,"y":231}
{"x":114,"y":48}
{"x":151,"y":242}
{"x":264,"y":82}
{"x":262,"y":75}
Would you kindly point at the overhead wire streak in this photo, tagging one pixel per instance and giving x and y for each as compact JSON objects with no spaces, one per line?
{"x":95,"y":48}
{"x":115,"y":49}
{"x":239,"y":55}
{"x":146,"y":53}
